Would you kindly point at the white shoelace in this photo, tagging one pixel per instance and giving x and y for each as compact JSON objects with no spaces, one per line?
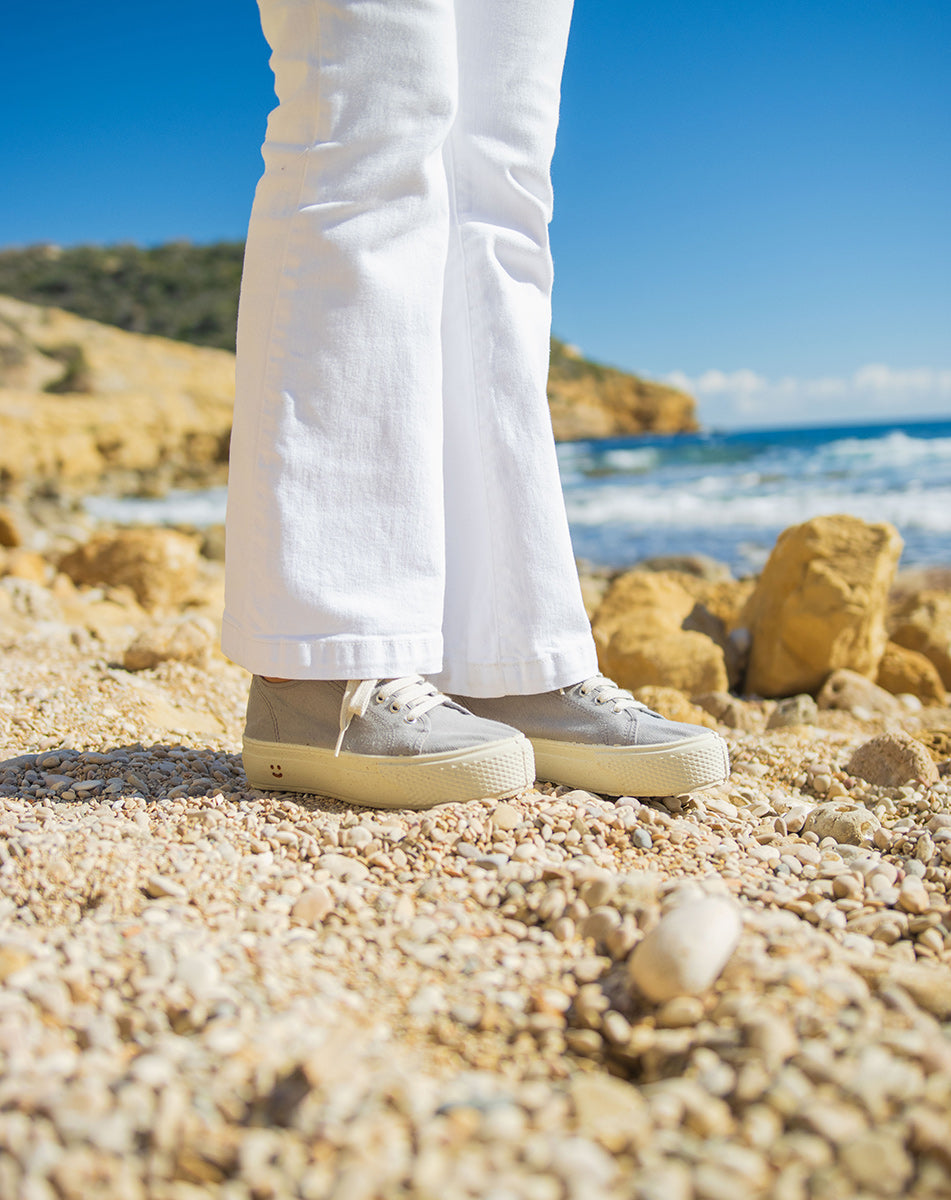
{"x":410,"y":692}
{"x":608,"y":692}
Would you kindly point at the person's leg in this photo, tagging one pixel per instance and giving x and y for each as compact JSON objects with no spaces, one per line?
{"x":518,"y":645}
{"x":335,"y":513}
{"x":335,"y":548}
{"x":514,"y":620}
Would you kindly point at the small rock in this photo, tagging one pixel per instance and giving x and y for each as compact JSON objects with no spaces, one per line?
{"x":342,"y":867}
{"x":891,"y":760}
{"x":687,"y":950}
{"x":878,"y":1161}
{"x":729,"y":711}
{"x":199,"y":973}
{"x":158,"y":886}
{"x":159,"y":565}
{"x":848,"y":690}
{"x":608,"y":1111}
{"x":10,"y":535}
{"x":188,"y":641}
{"x":908,"y":672}
{"x":312,"y":906}
{"x":849,"y":825}
{"x":506,"y":816}
{"x":913,"y":895}
{"x":680,"y":1012}
{"x":794,"y":710}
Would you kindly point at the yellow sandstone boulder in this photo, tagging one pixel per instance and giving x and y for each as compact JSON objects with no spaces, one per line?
{"x":820,"y":604}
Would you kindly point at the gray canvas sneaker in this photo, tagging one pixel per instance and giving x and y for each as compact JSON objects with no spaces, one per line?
{"x":595,"y":735}
{"x":395,"y":743}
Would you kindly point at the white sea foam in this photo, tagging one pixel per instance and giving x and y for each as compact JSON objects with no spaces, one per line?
{"x":701,"y":509}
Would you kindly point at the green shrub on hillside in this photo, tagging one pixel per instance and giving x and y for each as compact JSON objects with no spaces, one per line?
{"x":177,"y":290}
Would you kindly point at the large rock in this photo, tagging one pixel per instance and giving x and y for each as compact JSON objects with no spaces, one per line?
{"x":641,"y":639}
{"x":922,"y":622}
{"x":908,"y":672}
{"x":820,"y":604}
{"x":158,"y":565}
{"x":140,"y":409}
{"x":891,"y":760}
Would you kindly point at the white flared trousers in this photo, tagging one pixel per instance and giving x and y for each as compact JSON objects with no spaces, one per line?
{"x":394,"y":502}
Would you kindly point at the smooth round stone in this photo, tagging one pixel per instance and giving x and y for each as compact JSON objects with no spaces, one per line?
{"x":685,"y":953}
{"x":342,"y":867}
{"x":506,"y":816}
{"x":312,"y":906}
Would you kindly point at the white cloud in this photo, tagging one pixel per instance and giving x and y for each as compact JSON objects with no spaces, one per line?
{"x":873,"y":392}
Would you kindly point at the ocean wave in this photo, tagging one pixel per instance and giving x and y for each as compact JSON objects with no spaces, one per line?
{"x":702,"y":510}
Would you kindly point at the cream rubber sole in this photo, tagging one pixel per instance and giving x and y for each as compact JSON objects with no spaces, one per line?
{"x":489,"y":771}
{"x":665,"y":770}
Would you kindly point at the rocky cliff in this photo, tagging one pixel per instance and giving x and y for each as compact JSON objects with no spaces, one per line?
{"x":84,"y":405}
{"x":88,"y":406}
{"x":588,"y":400}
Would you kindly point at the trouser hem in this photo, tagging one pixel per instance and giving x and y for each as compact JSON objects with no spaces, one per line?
{"x":333,"y":657}
{"x":522,"y":678}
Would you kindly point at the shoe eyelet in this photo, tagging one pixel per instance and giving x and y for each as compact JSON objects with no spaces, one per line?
{"x":410,"y":720}
{"x":599,"y":700}
{"x":395,"y":706}
{"x":379,"y":698}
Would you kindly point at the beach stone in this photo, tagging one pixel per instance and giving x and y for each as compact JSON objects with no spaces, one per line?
{"x":728,"y":710}
{"x":674,"y":705}
{"x":928,"y":986}
{"x":158,"y":886}
{"x":674,"y":658}
{"x":913,"y":896}
{"x":850,"y":825}
{"x":341,"y":866}
{"x":793,"y":710}
{"x":680,"y":1012}
{"x":878,"y":1160}
{"x":609,"y":1111}
{"x":26,"y":564}
{"x":190,"y":641}
{"x":905,"y":672}
{"x":891,"y":760}
{"x":922,"y":622}
{"x":158,"y":565}
{"x":506,"y":816}
{"x":10,"y":535}
{"x":848,"y":691}
{"x":312,"y":906}
{"x":686,"y":951}
{"x":641,"y":641}
{"x":820,"y":604}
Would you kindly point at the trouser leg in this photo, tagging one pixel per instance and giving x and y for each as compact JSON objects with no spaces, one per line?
{"x":514,"y":621}
{"x":335,"y":514}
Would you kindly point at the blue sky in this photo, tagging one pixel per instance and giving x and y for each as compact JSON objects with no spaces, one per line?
{"x":752,"y":199}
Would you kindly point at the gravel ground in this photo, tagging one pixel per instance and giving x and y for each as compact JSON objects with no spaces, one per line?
{"x":211,"y":991}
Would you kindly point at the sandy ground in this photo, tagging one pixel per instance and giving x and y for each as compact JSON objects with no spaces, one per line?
{"x":211,"y":991}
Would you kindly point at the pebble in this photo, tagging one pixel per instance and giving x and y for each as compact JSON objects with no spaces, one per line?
{"x":687,"y":950}
{"x":312,"y":906}
{"x":161,"y":885}
{"x":506,"y":816}
{"x":340,"y":866}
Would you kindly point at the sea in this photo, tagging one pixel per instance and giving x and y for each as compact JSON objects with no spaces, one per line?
{"x":726,"y":495}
